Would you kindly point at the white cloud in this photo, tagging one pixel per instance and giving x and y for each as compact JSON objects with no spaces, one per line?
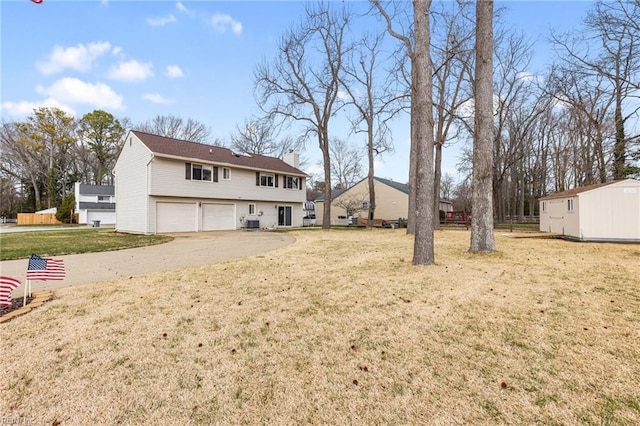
{"x":182,"y":8}
{"x":174,"y":71}
{"x":159,"y":21}
{"x":79,"y":58}
{"x":156,"y":98}
{"x":131,"y":71}
{"x":14,"y":110}
{"x":74,"y":91}
{"x":223,"y":23}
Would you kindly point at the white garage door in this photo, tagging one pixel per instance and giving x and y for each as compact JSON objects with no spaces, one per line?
{"x":103,"y":217}
{"x":176,"y":217}
{"x":216,"y":217}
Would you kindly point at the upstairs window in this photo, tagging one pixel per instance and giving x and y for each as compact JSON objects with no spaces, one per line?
{"x":201,"y":172}
{"x":267,"y":179}
{"x":104,"y":199}
{"x":570,"y":205}
{"x":292,"y":182}
{"x":226,"y":173}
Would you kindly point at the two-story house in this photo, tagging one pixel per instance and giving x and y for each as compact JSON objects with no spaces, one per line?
{"x":95,"y":203}
{"x":169,"y":185}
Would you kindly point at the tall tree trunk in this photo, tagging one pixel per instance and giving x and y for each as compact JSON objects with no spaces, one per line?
{"x":326,"y":160}
{"x":423,"y":248}
{"x":411,"y":216}
{"x":482,"y":238}
{"x":370,"y":180}
{"x":437,"y":177}
{"x":619,"y":148}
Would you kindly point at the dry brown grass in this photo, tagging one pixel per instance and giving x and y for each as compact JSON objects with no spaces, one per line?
{"x":341,"y":328}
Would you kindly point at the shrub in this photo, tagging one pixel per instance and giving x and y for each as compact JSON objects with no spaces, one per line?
{"x":65,"y":212}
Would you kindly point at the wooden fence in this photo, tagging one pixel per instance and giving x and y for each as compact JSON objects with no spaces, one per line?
{"x":37,"y":219}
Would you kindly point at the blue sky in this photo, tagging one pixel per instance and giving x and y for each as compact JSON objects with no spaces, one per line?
{"x":193,"y":59}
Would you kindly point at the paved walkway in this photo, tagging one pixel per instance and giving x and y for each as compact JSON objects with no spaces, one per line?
{"x":185,"y":250}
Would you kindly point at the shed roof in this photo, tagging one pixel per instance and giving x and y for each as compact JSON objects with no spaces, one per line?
{"x":170,"y":147}
{"x":578,"y":190}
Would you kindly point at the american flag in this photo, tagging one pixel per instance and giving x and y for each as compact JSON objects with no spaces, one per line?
{"x":7,"y":285}
{"x":45,"y":269}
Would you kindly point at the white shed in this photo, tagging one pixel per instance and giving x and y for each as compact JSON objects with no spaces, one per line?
{"x":602,"y":212}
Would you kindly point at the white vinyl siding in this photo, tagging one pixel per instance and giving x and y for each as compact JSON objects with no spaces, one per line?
{"x":131,"y":187}
{"x":168,"y":180}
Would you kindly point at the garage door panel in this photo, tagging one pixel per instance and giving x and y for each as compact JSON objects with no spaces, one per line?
{"x":218,"y":217}
{"x":176,"y":217}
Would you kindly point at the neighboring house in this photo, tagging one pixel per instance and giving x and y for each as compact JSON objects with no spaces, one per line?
{"x":170,"y":185}
{"x":603,"y":212}
{"x":392,"y":201}
{"x":95,"y":203}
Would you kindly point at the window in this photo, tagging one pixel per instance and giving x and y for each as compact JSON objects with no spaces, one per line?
{"x":201,"y":172}
{"x":365,"y":205}
{"x":104,"y":199}
{"x":292,"y":182}
{"x":544,"y":206}
{"x":252,"y":209}
{"x":267,"y":180}
{"x":226,"y":173}
{"x":570,"y":205}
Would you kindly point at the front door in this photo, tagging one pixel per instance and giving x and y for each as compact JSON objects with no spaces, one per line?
{"x":284,"y":215}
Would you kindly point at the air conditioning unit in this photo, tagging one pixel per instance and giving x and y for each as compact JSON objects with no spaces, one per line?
{"x":253,"y":224}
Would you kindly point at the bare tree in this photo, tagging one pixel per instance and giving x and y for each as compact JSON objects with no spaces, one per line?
{"x":175,"y":127}
{"x":482,"y":238}
{"x":262,"y":136}
{"x":608,"y":50}
{"x":300,"y":86}
{"x":452,"y":55}
{"x":421,"y":211}
{"x":352,"y":203}
{"x":406,"y":58}
{"x":346,"y":163}
{"x":371,"y":102}
{"x":447,"y":186}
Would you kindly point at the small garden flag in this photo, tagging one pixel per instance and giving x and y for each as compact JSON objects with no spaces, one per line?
{"x":45,"y":269}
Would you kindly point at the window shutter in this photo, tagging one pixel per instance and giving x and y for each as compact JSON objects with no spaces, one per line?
{"x":277,"y":177}
{"x":300,"y":184}
{"x":257,"y":178}
{"x":215,"y":174}
{"x":187,"y":174}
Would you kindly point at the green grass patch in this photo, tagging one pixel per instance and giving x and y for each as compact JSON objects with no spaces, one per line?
{"x":21,"y":245}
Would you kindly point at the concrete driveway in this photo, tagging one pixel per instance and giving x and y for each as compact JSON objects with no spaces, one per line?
{"x":185,"y":250}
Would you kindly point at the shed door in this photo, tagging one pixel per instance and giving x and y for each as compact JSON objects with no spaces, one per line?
{"x":218,"y":217}
{"x":176,"y":217}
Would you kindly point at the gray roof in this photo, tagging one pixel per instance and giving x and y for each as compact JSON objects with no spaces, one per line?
{"x":96,"y":189}
{"x":402,"y":187}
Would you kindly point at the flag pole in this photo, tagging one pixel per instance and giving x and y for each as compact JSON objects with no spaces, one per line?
{"x":24,"y":299}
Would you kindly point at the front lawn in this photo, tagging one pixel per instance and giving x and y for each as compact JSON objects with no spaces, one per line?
{"x":21,"y":245}
{"x":340,"y":328}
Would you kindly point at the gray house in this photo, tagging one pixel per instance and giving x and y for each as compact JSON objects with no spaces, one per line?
{"x":95,"y":202}
{"x":602,"y":212}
